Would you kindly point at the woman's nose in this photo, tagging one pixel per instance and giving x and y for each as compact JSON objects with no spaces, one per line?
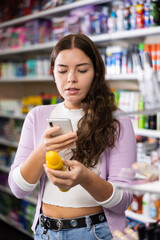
{"x":71,"y":77}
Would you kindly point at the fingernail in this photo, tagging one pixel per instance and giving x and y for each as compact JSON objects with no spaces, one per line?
{"x":74,"y":134}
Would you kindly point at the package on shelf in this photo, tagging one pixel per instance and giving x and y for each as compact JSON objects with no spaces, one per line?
{"x":59,"y":27}
{"x":42,"y":66}
{"x":31,"y":68}
{"x":18,"y":212}
{"x":17,"y":37}
{"x":10,"y":129}
{"x":4,"y":179}
{"x":5,"y":38}
{"x":38,"y":31}
{"x":31,"y":101}
{"x":51,"y":4}
{"x":79,"y":20}
{"x":10,"y":106}
{"x":7,"y":155}
{"x":28,"y":211}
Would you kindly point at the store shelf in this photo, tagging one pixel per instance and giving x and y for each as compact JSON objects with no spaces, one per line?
{"x":147,"y":133}
{"x":127,"y":77}
{"x":45,"y":78}
{"x":12,"y":115}
{"x":52,"y":11}
{"x":28,"y":198}
{"x":4,"y":168}
{"x":26,"y":49}
{"x":143,"y":112}
{"x":15,"y":225}
{"x":138,"y":217}
{"x":8,"y":143}
{"x":130,"y":34}
{"x":150,"y":187}
{"x":137,"y":33}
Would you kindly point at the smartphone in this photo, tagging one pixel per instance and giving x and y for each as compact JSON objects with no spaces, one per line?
{"x":64,"y":124}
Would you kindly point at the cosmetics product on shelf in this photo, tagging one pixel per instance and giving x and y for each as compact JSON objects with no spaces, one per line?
{"x":146,"y":205}
{"x":154,"y":206}
{"x":136,"y":205}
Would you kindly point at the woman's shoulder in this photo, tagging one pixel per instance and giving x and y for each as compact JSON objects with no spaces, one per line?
{"x":42,"y":109}
{"x":123,"y":118}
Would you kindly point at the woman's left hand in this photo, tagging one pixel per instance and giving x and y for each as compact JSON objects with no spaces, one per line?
{"x":76,"y":174}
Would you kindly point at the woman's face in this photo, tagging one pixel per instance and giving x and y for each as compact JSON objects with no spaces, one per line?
{"x":73,"y":72}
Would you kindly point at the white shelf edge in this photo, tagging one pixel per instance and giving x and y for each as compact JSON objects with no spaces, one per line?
{"x":12,"y":115}
{"x":145,"y":112}
{"x":52,"y":11}
{"x":8,"y":143}
{"x":147,"y":132}
{"x":4,"y":168}
{"x":27,"y":198}
{"x":31,"y":48}
{"x":44,"y":78}
{"x":139,"y":217}
{"x":131,"y":76}
{"x":125,"y":34}
{"x":13,"y":224}
{"x":150,"y":187}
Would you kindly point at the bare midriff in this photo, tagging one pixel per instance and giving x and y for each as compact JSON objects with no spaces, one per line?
{"x":68,"y":212}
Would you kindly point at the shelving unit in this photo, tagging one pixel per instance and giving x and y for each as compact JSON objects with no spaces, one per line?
{"x":53,"y":11}
{"x":12,"y":223}
{"x":150,"y":187}
{"x":28,"y":198}
{"x":8,"y":143}
{"x":20,"y":85}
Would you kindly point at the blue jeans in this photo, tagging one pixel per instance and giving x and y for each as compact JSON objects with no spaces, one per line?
{"x":99,"y":231}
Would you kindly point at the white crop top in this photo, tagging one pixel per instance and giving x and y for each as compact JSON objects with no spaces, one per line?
{"x":76,"y":196}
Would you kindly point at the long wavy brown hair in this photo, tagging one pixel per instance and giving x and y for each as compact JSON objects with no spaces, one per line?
{"x":97,"y":129}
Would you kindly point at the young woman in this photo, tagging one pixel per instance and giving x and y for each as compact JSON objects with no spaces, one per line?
{"x":99,"y":146}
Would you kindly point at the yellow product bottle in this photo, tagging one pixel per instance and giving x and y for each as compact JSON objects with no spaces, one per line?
{"x":54,"y":161}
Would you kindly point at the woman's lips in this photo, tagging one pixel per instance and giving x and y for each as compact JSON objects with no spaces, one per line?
{"x":72,"y":90}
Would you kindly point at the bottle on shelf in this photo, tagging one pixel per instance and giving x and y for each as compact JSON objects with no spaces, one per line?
{"x":146,"y":205}
{"x":136,"y":205}
{"x":155,"y":206}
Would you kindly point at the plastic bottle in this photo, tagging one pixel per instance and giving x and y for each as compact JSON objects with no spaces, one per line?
{"x":132,"y":17}
{"x":154,"y":206}
{"x":146,"y":14}
{"x":54,"y":161}
{"x":141,"y":118}
{"x":140,"y":15}
{"x":136,"y":205}
{"x":146,"y":205}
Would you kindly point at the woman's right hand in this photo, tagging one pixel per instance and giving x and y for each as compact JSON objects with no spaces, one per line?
{"x":60,"y":142}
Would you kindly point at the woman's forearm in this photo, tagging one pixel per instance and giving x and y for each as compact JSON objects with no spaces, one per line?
{"x":99,"y":188}
{"x":32,"y":167}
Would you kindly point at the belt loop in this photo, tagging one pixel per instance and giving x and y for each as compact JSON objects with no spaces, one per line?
{"x":88,"y":222}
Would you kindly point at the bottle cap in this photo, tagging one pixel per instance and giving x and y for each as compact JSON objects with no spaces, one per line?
{"x":53,"y":160}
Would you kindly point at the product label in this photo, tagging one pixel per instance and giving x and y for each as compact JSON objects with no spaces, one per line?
{"x":152,"y":211}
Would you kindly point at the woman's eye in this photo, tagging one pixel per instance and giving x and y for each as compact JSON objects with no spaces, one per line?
{"x":62,"y":71}
{"x":82,"y":71}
